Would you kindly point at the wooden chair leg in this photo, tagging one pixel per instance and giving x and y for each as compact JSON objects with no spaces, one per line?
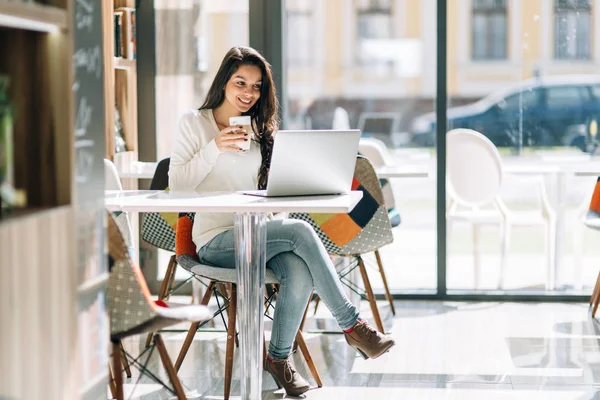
{"x":118,"y":375}
{"x":596,"y":297}
{"x":370,"y":295}
{"x":231,"y":333}
{"x":193,"y":328}
{"x":317,"y":301}
{"x":164,"y":289}
{"x":309,"y":361}
{"x":124,"y":359}
{"x":164,"y":356}
{"x":596,"y":290}
{"x":111,"y":383}
{"x":388,"y":295}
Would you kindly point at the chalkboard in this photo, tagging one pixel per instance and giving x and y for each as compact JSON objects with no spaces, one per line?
{"x":88,"y":88}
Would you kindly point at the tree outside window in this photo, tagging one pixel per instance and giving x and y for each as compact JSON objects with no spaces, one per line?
{"x":489,"y":30}
{"x":572,"y":29}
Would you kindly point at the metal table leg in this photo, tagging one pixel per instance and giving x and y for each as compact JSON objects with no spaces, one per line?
{"x":250,"y":238}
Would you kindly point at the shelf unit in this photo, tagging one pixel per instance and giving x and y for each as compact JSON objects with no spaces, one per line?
{"x":40,"y":280}
{"x":120,"y":87}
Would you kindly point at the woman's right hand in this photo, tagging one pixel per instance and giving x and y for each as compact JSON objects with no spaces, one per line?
{"x":228,"y":138}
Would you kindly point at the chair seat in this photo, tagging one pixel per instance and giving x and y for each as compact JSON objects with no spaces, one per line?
{"x":183,"y":312}
{"x":592,"y":220}
{"x":217,"y":273}
{"x":490,"y":216}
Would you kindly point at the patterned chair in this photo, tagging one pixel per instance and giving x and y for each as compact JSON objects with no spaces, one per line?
{"x":592,"y":221}
{"x":187,"y":258}
{"x":132,"y":311}
{"x":365,"y":229}
{"x":158,"y":229}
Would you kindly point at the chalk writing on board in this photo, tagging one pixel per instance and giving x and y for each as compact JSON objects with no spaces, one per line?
{"x":90,"y":59}
{"x":83,"y":117}
{"x":83,"y":15}
{"x":84,"y":160}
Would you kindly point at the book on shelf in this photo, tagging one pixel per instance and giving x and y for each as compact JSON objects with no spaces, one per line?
{"x":126,"y":35}
{"x":118,"y":33}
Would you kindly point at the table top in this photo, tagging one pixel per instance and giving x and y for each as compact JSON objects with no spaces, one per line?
{"x":163,"y":201}
{"x":403,"y":171}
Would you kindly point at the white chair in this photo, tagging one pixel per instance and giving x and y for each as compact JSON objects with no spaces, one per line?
{"x":341,"y":119}
{"x":113,"y":182}
{"x":474,"y":173}
{"x":376,"y":151}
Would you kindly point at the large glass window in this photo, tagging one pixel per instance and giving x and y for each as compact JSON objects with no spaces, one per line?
{"x":381,"y":94}
{"x":300,"y":24}
{"x":527,"y":238}
{"x":489,"y":30}
{"x":373,"y":25}
{"x":572,"y":29}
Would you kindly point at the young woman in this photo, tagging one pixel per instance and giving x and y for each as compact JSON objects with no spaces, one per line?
{"x":207,"y":158}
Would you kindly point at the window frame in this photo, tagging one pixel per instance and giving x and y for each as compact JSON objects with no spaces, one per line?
{"x":573,"y":7}
{"x":489,"y":11}
{"x":374,"y":8}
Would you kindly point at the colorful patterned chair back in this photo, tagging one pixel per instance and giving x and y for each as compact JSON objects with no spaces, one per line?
{"x":592,"y":218}
{"x":376,"y":151}
{"x":366,"y":228}
{"x":158,"y":229}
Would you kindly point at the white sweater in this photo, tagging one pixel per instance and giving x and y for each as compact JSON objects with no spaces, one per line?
{"x":198,"y":165}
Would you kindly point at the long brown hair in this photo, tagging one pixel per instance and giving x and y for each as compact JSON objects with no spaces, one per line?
{"x":264,"y":114}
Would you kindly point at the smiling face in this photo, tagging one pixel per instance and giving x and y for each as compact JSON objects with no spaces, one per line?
{"x":243,"y":88}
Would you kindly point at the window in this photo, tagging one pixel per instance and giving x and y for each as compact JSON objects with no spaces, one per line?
{"x":489,"y":30}
{"x":300,"y":37}
{"x":563,"y":96}
{"x":572,"y":29}
{"x":596,"y":91}
{"x":374,"y":23}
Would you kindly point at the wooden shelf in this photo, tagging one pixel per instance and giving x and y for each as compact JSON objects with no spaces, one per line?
{"x":32,"y":16}
{"x":93,"y":284}
{"x":123,"y":63}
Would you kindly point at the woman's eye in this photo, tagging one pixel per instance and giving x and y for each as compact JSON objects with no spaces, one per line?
{"x":257,"y":87}
{"x":240,"y":83}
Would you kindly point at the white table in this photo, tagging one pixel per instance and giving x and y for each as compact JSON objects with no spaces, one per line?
{"x":138,"y":170}
{"x":403,"y":171}
{"x":250,"y":235}
{"x":557,"y":173}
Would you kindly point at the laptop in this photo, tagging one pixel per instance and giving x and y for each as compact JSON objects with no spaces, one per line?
{"x":313,"y":162}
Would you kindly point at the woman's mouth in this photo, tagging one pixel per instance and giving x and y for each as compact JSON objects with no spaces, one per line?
{"x":246,"y":102}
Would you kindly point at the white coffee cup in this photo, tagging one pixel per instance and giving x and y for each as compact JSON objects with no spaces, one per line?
{"x":246,"y":123}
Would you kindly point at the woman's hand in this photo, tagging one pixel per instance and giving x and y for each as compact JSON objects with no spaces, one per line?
{"x":229,"y":138}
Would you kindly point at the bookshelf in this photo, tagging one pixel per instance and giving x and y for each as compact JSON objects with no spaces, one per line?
{"x":121,"y":85}
{"x":52,"y":270}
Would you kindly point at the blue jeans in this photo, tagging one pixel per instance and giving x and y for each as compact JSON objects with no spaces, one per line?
{"x":300,"y":262}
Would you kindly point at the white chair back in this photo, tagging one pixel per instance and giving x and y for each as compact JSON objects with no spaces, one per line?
{"x":111,"y":176}
{"x":376,"y":151}
{"x":341,"y":119}
{"x":474,"y":168}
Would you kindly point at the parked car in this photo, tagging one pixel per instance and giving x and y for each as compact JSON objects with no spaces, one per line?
{"x":547,"y":111}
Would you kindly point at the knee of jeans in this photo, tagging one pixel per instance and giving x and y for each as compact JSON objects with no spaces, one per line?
{"x":303,"y":231}
{"x":300,"y":281}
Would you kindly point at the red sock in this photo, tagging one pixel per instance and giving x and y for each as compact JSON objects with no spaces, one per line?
{"x":352,"y":329}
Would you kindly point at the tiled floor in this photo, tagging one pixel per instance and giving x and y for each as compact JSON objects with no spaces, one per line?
{"x":444,"y":351}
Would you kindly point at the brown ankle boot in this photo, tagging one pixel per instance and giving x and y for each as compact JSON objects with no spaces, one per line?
{"x":367,"y":341}
{"x":286,"y":376}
